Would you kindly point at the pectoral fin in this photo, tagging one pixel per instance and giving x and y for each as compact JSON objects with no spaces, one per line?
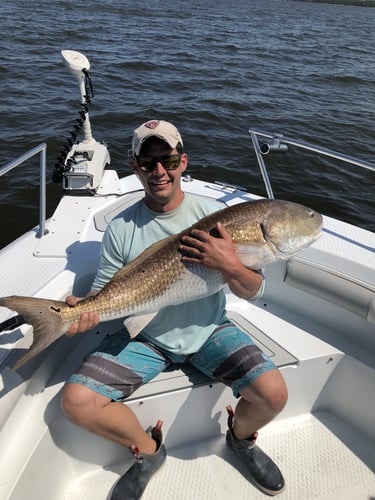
{"x":255,"y":254}
{"x":135,"y":324}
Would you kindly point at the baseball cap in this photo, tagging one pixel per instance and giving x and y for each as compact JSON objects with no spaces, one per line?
{"x":155,"y":128}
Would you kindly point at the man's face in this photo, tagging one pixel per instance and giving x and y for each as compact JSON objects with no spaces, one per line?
{"x":162,"y":186}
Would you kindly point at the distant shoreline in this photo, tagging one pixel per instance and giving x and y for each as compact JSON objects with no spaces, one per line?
{"x":360,"y":3}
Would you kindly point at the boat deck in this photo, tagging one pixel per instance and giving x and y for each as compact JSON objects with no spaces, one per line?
{"x":320,"y":456}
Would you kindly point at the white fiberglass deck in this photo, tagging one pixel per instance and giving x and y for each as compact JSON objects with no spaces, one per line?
{"x":321,"y":458}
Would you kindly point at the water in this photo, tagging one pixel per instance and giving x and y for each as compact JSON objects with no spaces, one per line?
{"x":215,"y":68}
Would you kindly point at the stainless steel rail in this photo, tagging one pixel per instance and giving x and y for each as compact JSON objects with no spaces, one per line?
{"x":41,"y":150}
{"x":281,"y":141}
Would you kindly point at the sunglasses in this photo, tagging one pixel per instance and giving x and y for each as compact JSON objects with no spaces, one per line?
{"x":148,"y":163}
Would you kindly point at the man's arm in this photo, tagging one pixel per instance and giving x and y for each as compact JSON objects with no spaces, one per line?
{"x":219,"y":253}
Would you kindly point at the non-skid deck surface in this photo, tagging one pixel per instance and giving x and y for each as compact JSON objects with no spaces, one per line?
{"x":320,"y":456}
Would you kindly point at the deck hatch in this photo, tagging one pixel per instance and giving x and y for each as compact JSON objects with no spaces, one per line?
{"x":274,"y":351}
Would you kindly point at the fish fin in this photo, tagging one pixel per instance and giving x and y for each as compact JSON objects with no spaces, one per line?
{"x":135,"y":324}
{"x":43,"y":315}
{"x":254,"y":255}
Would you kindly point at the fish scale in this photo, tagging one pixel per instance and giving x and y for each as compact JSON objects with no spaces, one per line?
{"x":262,"y":231}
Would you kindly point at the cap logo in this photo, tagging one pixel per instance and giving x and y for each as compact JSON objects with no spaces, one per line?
{"x":152,"y":124}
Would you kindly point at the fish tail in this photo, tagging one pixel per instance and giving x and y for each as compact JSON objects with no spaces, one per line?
{"x":43,"y":315}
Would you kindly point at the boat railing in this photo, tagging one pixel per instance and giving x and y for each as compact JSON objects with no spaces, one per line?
{"x":278,"y":143}
{"x":41,"y":150}
{"x":264,"y":143}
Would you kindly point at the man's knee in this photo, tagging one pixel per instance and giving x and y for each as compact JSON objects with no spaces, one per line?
{"x":268,"y":390}
{"x":77,"y":403}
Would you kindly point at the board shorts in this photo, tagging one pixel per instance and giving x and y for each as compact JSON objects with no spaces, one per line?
{"x":120,"y":364}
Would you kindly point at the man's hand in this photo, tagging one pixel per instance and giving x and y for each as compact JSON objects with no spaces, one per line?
{"x":218,"y":252}
{"x":87,"y":321}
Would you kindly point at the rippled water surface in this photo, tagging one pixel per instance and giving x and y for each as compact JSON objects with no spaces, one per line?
{"x":214,"y":68}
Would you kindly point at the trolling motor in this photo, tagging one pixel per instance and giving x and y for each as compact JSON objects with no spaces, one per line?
{"x":80,"y":165}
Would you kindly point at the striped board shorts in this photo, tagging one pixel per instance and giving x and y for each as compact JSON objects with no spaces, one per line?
{"x":120,"y":364}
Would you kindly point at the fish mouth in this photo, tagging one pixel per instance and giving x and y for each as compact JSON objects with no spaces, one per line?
{"x":318,"y":234}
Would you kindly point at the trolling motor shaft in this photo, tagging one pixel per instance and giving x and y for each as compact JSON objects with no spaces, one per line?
{"x":79,"y":66}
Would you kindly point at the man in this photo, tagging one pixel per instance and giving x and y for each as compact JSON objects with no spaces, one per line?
{"x":197,"y":331}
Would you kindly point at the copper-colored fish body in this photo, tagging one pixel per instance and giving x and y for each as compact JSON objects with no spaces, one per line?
{"x":263,"y":232}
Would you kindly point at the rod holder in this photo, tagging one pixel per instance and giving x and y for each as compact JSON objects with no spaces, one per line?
{"x":273,"y":146}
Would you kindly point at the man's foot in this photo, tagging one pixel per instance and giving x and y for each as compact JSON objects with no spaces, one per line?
{"x":264,"y":472}
{"x":132,"y":484}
